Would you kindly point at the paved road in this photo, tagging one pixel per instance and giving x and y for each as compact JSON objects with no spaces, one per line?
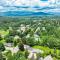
{"x":32,"y":55}
{"x":12,"y":49}
{"x":31,"y":50}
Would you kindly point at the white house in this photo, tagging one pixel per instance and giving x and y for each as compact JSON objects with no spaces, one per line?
{"x":22,"y":27}
{"x":36,"y":37}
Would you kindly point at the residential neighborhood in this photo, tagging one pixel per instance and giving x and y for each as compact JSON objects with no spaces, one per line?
{"x":30,"y":38}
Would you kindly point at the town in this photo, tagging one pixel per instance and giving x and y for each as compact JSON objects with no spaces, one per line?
{"x":30,"y":38}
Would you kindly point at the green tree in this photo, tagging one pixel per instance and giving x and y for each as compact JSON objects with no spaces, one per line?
{"x":2,"y":48}
{"x":21,"y":46}
{"x":26,"y":54}
{"x":30,"y":41}
{"x":9,"y":39}
{"x":1,"y":56}
{"x":1,"y":37}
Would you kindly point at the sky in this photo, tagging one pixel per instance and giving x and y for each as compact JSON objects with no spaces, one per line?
{"x":30,"y":5}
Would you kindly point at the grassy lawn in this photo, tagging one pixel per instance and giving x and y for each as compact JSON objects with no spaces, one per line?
{"x":2,"y":41}
{"x":2,"y":32}
{"x":45,"y":49}
{"x":48,"y":51}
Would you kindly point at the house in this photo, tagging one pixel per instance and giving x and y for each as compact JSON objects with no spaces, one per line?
{"x":43,"y":28}
{"x":16,"y":37}
{"x":36,"y":37}
{"x":28,"y":35}
{"x":22,"y":27}
{"x":8,"y":44}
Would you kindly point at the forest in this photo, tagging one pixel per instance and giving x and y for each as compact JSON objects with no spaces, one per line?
{"x":30,"y":38}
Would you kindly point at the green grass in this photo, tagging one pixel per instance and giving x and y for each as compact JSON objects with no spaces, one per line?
{"x":43,"y":48}
{"x":2,"y":41}
{"x":2,"y":32}
{"x":48,"y":51}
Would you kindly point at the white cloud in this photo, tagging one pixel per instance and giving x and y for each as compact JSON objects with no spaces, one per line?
{"x":52,"y":10}
{"x":30,"y":3}
{"x":24,"y":2}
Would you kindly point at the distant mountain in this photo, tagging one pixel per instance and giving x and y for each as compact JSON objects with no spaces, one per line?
{"x":22,"y":13}
{"x":55,"y":13}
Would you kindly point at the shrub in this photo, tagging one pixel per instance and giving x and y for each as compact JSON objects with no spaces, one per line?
{"x":2,"y":57}
{"x":26,"y":54}
{"x":9,"y":39}
{"x":30,"y":41}
{"x":21,"y":46}
{"x":2,"y":48}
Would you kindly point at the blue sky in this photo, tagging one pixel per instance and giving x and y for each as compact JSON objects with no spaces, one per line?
{"x":30,"y":5}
